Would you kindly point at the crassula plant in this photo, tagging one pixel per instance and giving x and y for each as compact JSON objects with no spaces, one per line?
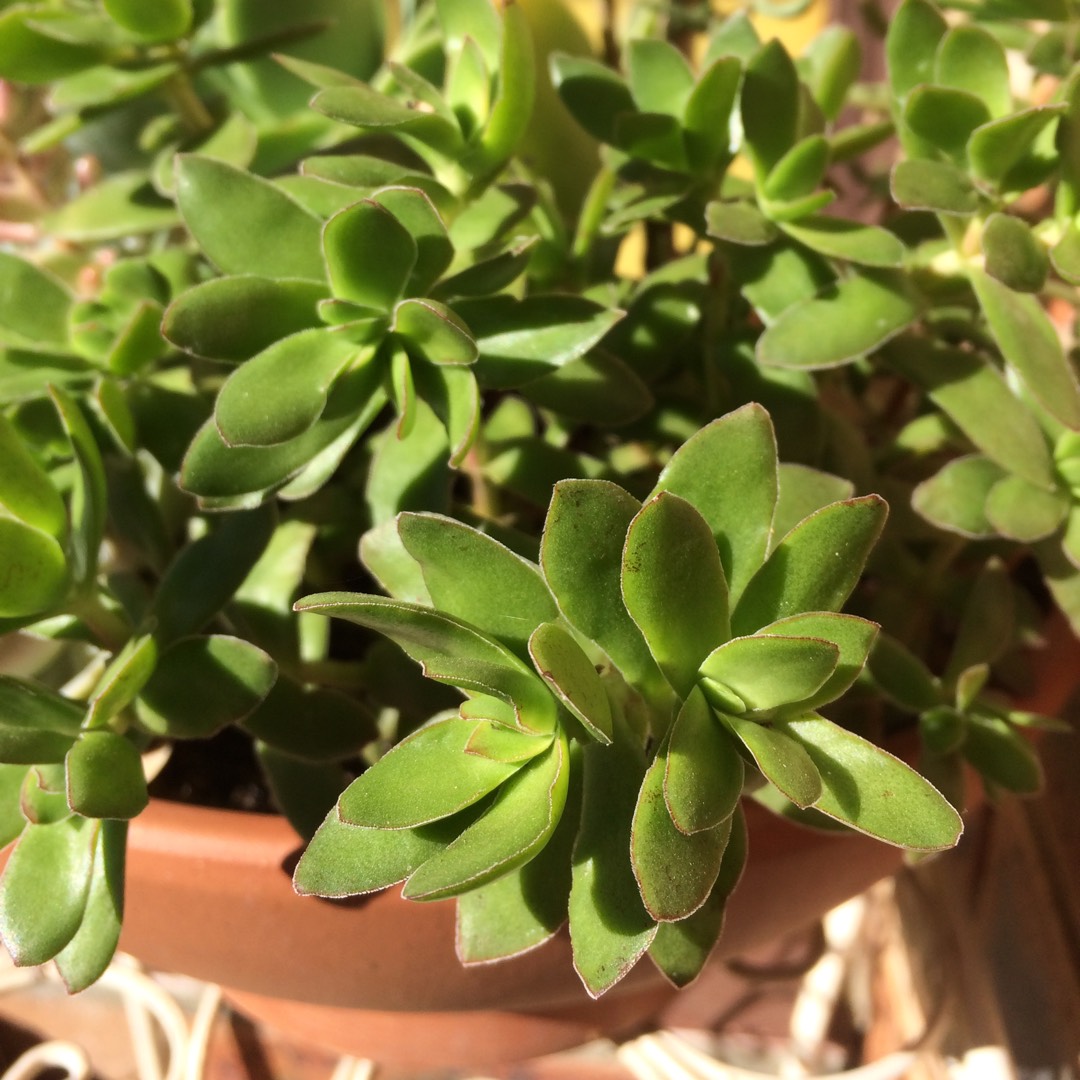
{"x":599,"y":447}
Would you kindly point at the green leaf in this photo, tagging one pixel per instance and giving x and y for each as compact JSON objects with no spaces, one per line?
{"x":1021,"y":511}
{"x":524,"y":908}
{"x":448,"y":649}
{"x":833,"y":61}
{"x":739,"y":223}
{"x":33,"y":707}
{"x":659,"y":76}
{"x":105,"y":777}
{"x":911,"y":45}
{"x":521,"y":340}
{"x":42,"y":797}
{"x":246,"y":225}
{"x":854,"y":637}
{"x":987,"y":623}
{"x":868,"y":245}
{"x":674,"y":588}
{"x":770,"y":107}
{"x":707,"y":116}
{"x":955,"y":497}
{"x":507,"y":835}
{"x":1030,"y":344}
{"x":83,"y":960}
{"x":44,"y":889}
{"x":26,"y":492}
{"x":124,"y":204}
{"x":803,"y":491}
{"x":370,"y":255}
{"x":206,"y":573}
{"x":345,"y":860}
{"x":609,"y":927}
{"x":815,"y":567}
{"x":1014,"y":255}
{"x":976,"y":397}
{"x":397,"y":792}
{"x":945,"y":118}
{"x":922,"y":184}
{"x":728,"y":472}
{"x":597,"y":388}
{"x":433,"y":331}
{"x":798,"y":173}
{"x":122,"y":680}
{"x":498,"y":741}
{"x":970,"y":58}
{"x":581,"y":556}
{"x":844,"y":321}
{"x":476,"y":579}
{"x":1002,"y":755}
{"x":201,"y":684}
{"x":89,"y":498}
{"x":454,"y":396}
{"x":160,"y":21}
{"x":703,"y":775}
{"x":234,"y":318}
{"x":680,"y":949}
{"x":872,"y":791}
{"x":903,"y":677}
{"x":567,"y":669}
{"x":776,"y":278}
{"x":29,"y":55}
{"x":279,"y":394}
{"x":36,"y":306}
{"x":365,"y":108}
{"x":35,"y":570}
{"x":780,"y":759}
{"x":594,"y":94}
{"x":767,"y":672}
{"x":434,"y":251}
{"x":1065,"y":256}
{"x":675,"y":871}
{"x":996,"y":148}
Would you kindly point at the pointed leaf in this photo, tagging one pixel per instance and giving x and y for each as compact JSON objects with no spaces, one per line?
{"x":397,"y":792}
{"x":1002,"y":755}
{"x":845,"y":320}
{"x":739,"y":223}
{"x":873,"y":791}
{"x":565,"y":667}
{"x":476,"y":579}
{"x":770,"y":106}
{"x":122,"y":680}
{"x":798,"y":173}
{"x":27,"y":705}
{"x":728,"y":472}
{"x":124,"y":204}
{"x":512,"y":831}
{"x":581,"y":556}
{"x":594,"y":94}
{"x":868,"y":245}
{"x":996,"y":148}
{"x":675,"y":871}
{"x":674,"y":588}
{"x":815,"y":567}
{"x":36,"y":306}
{"x":244,"y":224}
{"x":609,"y":926}
{"x":779,"y":758}
{"x":903,"y":677}
{"x":86,"y":956}
{"x":707,"y":117}
{"x":703,"y":774}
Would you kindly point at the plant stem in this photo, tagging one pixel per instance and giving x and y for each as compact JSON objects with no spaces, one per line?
{"x":188,"y":105}
{"x":110,"y":628}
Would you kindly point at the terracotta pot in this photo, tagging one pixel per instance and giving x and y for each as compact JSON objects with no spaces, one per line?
{"x":209,"y":894}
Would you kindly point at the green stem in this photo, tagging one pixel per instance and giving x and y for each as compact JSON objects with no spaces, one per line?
{"x":110,"y":628}
{"x":188,"y":105}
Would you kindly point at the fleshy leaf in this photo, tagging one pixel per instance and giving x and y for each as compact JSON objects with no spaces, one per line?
{"x":872,"y":791}
{"x":674,"y":588}
{"x":680,"y":949}
{"x":728,"y":472}
{"x":739,"y":222}
{"x":869,"y":245}
{"x":1021,"y":511}
{"x":370,"y":255}
{"x":955,"y":497}
{"x":923,"y":184}
{"x":903,"y":677}
{"x":1002,"y":755}
{"x":565,"y":667}
{"x":770,"y":106}
{"x":435,"y":332}
{"x":609,"y":926}
{"x":36,"y":306}
{"x":945,"y":118}
{"x":707,"y":117}
{"x":507,"y":835}
{"x":473,"y":577}
{"x":280,"y":393}
{"x":779,"y":758}
{"x":585,"y":576}
{"x":815,"y":567}
{"x":246,"y":225}
{"x":845,"y":320}
{"x":998,"y":147}
{"x":970,"y":58}
{"x":105,"y":777}
{"x":1014,"y":255}
{"x":394,"y":794}
{"x":122,"y":680}
{"x":675,"y":871}
{"x":911,"y":45}
{"x":703,"y":775}
{"x":594,"y":94}
{"x":798,"y":173}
